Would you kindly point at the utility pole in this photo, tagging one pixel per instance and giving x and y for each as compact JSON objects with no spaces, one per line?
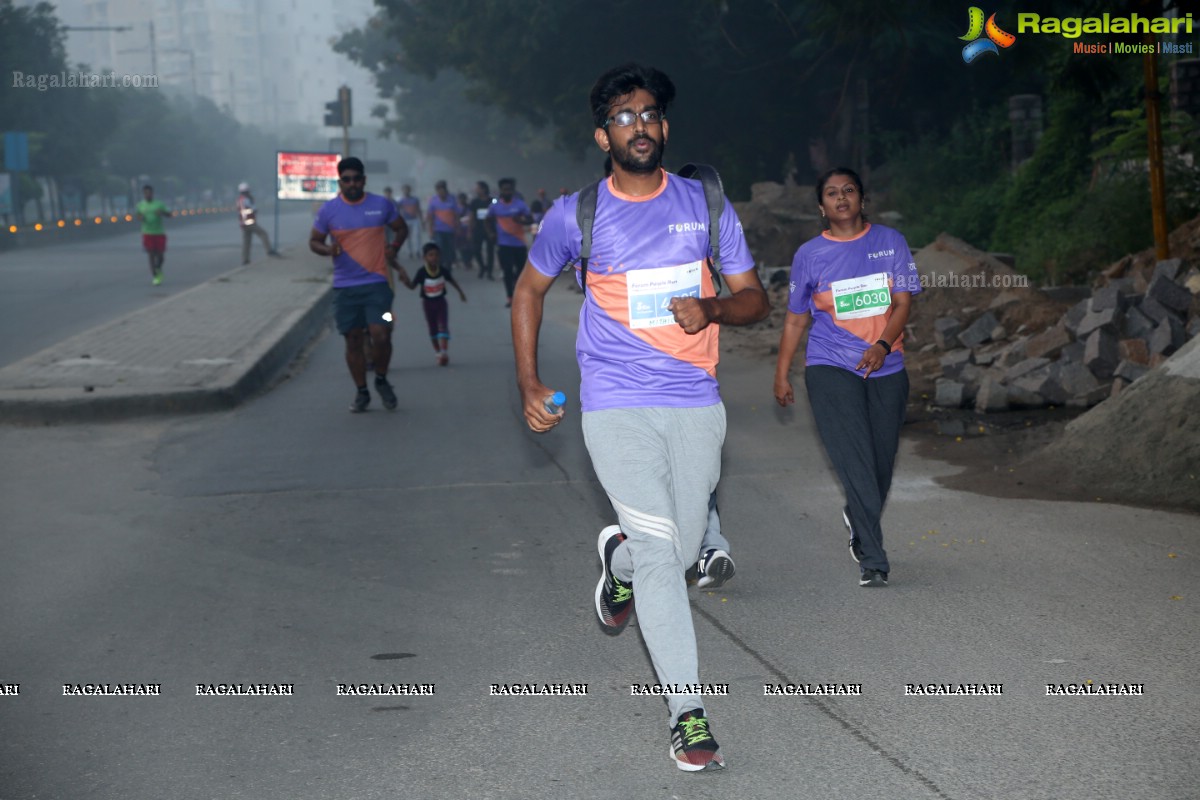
{"x":344,"y":99}
{"x":153,"y":50}
{"x":337,"y":114}
{"x":1158,"y":182}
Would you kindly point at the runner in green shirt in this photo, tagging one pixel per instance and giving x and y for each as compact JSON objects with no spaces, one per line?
{"x":154,"y":239}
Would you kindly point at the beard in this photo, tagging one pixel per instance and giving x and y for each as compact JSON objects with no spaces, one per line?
{"x":635,"y":163}
{"x":354,"y":193}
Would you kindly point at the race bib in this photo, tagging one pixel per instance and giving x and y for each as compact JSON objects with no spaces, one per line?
{"x":855,"y":298}
{"x":651,"y":291}
{"x":481,"y":213}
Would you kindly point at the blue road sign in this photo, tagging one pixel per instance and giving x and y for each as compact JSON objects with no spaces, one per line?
{"x":16,"y":151}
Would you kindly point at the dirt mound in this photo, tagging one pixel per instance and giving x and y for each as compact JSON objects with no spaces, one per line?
{"x":778,"y":219}
{"x":1142,"y":446}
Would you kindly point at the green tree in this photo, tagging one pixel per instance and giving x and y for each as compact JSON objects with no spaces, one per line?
{"x":758,"y":80}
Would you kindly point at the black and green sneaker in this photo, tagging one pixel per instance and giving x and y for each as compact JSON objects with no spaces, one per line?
{"x":614,"y":599}
{"x":692,"y":744}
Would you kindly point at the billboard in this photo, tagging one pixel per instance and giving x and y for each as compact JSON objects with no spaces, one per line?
{"x":306,"y":176}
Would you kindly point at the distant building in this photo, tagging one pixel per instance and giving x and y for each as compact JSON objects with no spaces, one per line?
{"x":269,"y":61}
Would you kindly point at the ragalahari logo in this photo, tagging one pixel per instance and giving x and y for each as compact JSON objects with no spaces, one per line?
{"x":996,"y":38}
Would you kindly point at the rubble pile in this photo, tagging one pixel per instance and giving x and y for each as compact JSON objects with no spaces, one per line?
{"x":777,"y":219}
{"x":995,"y":356}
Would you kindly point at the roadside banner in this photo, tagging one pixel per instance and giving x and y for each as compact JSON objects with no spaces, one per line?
{"x":306,"y":176}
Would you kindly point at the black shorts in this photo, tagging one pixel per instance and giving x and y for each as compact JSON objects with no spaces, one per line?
{"x":356,"y":307}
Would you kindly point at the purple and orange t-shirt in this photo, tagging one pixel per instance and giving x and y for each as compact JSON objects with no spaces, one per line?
{"x":645,"y":251}
{"x":510,"y":231}
{"x":361,"y":231}
{"x":410,"y":207}
{"x":445,"y":213}
{"x":847,"y":284}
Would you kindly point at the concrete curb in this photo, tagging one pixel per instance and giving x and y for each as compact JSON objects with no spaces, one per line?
{"x":31,"y":395}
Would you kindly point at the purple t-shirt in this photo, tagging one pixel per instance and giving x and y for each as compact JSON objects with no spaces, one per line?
{"x":847,"y":286}
{"x":445,"y":213}
{"x":361,"y":230}
{"x":645,"y":251}
{"x":510,"y":231}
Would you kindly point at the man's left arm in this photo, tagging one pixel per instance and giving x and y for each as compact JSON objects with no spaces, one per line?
{"x":747,"y":303}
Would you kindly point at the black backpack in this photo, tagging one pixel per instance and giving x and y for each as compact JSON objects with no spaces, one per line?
{"x":714,"y":196}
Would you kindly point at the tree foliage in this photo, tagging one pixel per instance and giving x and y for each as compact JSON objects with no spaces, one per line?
{"x":759,"y":80}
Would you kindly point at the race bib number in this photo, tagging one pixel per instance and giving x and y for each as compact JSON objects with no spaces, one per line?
{"x":855,"y":298}
{"x":652,"y":290}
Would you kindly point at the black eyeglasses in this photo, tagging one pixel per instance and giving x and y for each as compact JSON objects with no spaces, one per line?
{"x":623,"y":119}
{"x":352,"y":178}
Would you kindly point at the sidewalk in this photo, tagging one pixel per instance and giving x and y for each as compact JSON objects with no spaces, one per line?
{"x":205,"y":349}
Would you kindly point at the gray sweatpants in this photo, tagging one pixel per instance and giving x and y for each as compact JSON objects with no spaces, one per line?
{"x":859,"y":423}
{"x":659,"y":467}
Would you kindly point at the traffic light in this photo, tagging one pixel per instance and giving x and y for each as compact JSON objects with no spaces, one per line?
{"x":333,"y":113}
{"x":337,"y":113}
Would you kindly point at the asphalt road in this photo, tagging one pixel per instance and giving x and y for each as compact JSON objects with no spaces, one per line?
{"x":290,"y":542}
{"x":48,"y":294}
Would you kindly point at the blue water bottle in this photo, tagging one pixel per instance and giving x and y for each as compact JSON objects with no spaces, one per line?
{"x":554,"y":403}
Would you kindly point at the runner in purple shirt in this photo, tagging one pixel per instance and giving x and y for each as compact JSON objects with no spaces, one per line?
{"x":647,"y":347}
{"x":442,"y":213}
{"x":509,"y":216}
{"x":855,"y":282}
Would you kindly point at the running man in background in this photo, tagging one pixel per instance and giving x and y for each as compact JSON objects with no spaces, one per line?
{"x":462,"y":236}
{"x":509,"y":215}
{"x":442,"y":214}
{"x":410,"y":210}
{"x":248,"y":216}
{"x":653,"y":420}
{"x":480,"y":204}
{"x":362,"y":298}
{"x":154,"y":237}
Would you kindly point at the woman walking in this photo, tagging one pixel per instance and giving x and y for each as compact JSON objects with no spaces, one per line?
{"x":855,"y":283}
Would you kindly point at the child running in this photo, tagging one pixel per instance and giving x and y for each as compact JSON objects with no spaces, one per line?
{"x":432,"y":278}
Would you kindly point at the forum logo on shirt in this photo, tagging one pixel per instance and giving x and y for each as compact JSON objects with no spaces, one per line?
{"x":976,"y":27}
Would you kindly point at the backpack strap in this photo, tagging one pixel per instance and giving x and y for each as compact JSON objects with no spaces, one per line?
{"x":585,"y":216}
{"x":714,"y":197}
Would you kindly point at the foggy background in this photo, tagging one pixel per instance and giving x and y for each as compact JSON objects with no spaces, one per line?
{"x":1035,"y":150}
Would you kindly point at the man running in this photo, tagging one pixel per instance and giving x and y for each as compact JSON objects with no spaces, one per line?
{"x":647,"y":346}
{"x":154,"y":236}
{"x":509,"y":215}
{"x":410,"y":209}
{"x":480,"y":203}
{"x":362,"y":297}
{"x":443,"y":213}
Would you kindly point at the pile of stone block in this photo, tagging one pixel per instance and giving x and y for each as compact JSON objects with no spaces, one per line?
{"x":1133,"y":320}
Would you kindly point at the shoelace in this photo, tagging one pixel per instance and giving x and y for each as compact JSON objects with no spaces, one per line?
{"x":621,"y":592}
{"x":695,"y":730}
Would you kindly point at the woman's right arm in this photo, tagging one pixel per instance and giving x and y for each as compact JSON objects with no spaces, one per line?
{"x":789,"y":343}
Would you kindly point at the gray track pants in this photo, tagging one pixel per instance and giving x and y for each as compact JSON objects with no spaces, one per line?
{"x":659,"y":467}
